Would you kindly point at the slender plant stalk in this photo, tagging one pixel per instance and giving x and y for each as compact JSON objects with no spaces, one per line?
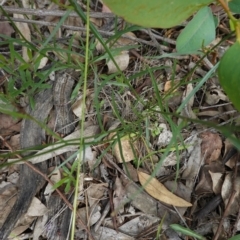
{"x":235,"y":21}
{"x":81,"y":149}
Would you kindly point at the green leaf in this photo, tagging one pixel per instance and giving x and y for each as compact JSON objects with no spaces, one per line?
{"x":156,"y":13}
{"x":234,"y":6}
{"x":186,"y":231}
{"x":237,"y":237}
{"x":199,"y":32}
{"x":229,"y":72}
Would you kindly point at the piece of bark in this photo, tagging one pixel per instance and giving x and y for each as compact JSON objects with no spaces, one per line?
{"x":30,"y":182}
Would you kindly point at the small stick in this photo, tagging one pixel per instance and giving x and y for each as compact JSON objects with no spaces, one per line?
{"x":55,"y":13}
{"x":104,"y":214}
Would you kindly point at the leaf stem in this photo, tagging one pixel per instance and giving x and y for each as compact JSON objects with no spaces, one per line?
{"x":236,"y":22}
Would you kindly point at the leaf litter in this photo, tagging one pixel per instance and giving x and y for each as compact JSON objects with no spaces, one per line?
{"x":128,"y":185}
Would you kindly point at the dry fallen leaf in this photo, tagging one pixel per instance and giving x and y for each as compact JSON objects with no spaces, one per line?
{"x":9,"y":125}
{"x":8,"y":197}
{"x":126,"y":148}
{"x":194,"y":160}
{"x":79,"y":104}
{"x":37,"y":208}
{"x":210,"y":178}
{"x":96,"y":192}
{"x":15,"y":142}
{"x":217,"y":182}
{"x":227,"y":188}
{"x":25,"y":31}
{"x":213,"y":95}
{"x":211,"y":146}
{"x":55,"y":177}
{"x":160,"y":192}
{"x":6,"y":29}
{"x":122,"y":58}
{"x":92,"y":218}
{"x":170,"y":85}
{"x":122,"y":61}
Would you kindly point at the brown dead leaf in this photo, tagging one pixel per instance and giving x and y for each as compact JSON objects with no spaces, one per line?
{"x":131,"y":171}
{"x":37,"y":208}
{"x":96,"y":192}
{"x":78,"y":104}
{"x":92,"y":217}
{"x":106,"y":9}
{"x":55,"y":177}
{"x":217,"y":182}
{"x":205,"y":183}
{"x":6,"y":29}
{"x":122,"y":58}
{"x":227,"y":190}
{"x":97,"y":21}
{"x":169,"y":85}
{"x":15,"y":142}
{"x":211,"y":146}
{"x":8,"y":197}
{"x":9,"y":125}
{"x":209,"y":178}
{"x":175,"y":99}
{"x":125,"y":148}
{"x":180,"y":190}
{"x":229,"y":150}
{"x":160,"y":192}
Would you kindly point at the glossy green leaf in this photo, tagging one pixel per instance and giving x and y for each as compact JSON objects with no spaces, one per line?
{"x":186,"y":231}
{"x":156,"y":13}
{"x":229,"y":73}
{"x":234,"y":6}
{"x":199,"y":32}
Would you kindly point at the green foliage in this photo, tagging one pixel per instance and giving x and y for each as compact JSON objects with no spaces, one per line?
{"x":156,"y":13}
{"x":199,"y":32}
{"x":229,"y":72}
{"x":186,"y":231}
{"x":234,"y":6}
{"x":68,"y":180}
{"x":237,"y":237}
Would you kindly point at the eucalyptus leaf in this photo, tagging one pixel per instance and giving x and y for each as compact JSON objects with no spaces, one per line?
{"x":229,"y":72}
{"x":156,"y":13}
{"x":234,"y":6}
{"x":199,"y":32}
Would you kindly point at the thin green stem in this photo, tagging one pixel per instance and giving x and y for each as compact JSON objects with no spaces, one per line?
{"x":81,"y":148}
{"x":235,"y":21}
